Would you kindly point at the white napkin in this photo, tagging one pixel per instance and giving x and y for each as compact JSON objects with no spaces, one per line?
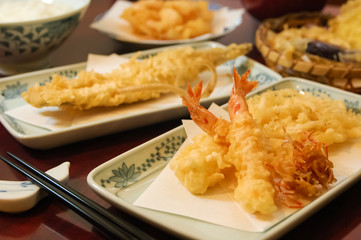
{"x":217,"y":206}
{"x":104,"y":63}
{"x":111,"y":23}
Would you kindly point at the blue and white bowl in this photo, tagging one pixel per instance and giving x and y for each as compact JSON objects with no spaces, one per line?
{"x":25,"y":44}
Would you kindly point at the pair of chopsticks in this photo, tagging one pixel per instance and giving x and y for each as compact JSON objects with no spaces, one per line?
{"x":110,"y":225}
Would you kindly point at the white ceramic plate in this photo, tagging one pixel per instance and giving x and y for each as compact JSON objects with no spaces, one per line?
{"x":137,"y":115}
{"x":123,"y":179}
{"x":110,"y":24}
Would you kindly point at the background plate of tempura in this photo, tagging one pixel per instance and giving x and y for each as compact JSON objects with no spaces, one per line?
{"x":115,"y":119}
{"x":163,"y":25}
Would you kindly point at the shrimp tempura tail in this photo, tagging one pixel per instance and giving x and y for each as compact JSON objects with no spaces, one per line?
{"x":237,"y":102}
{"x":241,"y":83}
{"x":207,"y":121}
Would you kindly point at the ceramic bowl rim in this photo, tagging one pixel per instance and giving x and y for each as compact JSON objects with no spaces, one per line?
{"x":73,"y":12}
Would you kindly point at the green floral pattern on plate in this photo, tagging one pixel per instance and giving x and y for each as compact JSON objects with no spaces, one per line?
{"x":15,"y":89}
{"x":124,"y":176}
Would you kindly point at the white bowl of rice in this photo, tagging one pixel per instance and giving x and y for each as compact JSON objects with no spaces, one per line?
{"x":30,"y":29}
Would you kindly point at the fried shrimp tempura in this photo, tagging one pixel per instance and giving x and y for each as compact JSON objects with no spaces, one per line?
{"x":136,"y":80}
{"x":268,"y":170}
{"x":246,"y":148}
{"x":250,"y":153}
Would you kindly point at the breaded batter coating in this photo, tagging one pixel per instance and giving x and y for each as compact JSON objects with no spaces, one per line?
{"x":269,"y":168}
{"x":199,"y":165}
{"x":250,"y":153}
{"x":247,"y":149}
{"x":136,"y":80}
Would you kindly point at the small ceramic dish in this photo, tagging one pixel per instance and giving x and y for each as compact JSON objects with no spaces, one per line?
{"x":20,"y":196}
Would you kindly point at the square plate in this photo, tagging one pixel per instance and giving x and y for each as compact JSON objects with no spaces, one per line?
{"x":141,"y":165}
{"x":138,"y":114}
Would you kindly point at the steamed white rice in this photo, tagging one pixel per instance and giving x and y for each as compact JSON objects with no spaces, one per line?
{"x":24,"y":10}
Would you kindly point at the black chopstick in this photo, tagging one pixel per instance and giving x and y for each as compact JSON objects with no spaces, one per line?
{"x":111,"y":225}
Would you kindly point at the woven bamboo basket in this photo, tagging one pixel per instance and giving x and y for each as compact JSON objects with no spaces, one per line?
{"x":336,"y":74}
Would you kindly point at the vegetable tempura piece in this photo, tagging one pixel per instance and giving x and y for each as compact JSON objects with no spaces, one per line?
{"x":198,"y":166}
{"x":136,"y":80}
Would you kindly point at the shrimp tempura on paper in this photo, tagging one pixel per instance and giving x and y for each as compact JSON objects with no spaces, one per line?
{"x":246,"y":149}
{"x":268,"y":170}
{"x":199,"y":165}
{"x":249,"y":152}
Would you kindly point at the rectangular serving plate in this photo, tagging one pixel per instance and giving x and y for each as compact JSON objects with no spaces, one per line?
{"x":148,"y":160}
{"x":40,"y":138}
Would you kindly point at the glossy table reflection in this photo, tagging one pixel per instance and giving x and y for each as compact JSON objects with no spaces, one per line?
{"x":341,"y":218}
